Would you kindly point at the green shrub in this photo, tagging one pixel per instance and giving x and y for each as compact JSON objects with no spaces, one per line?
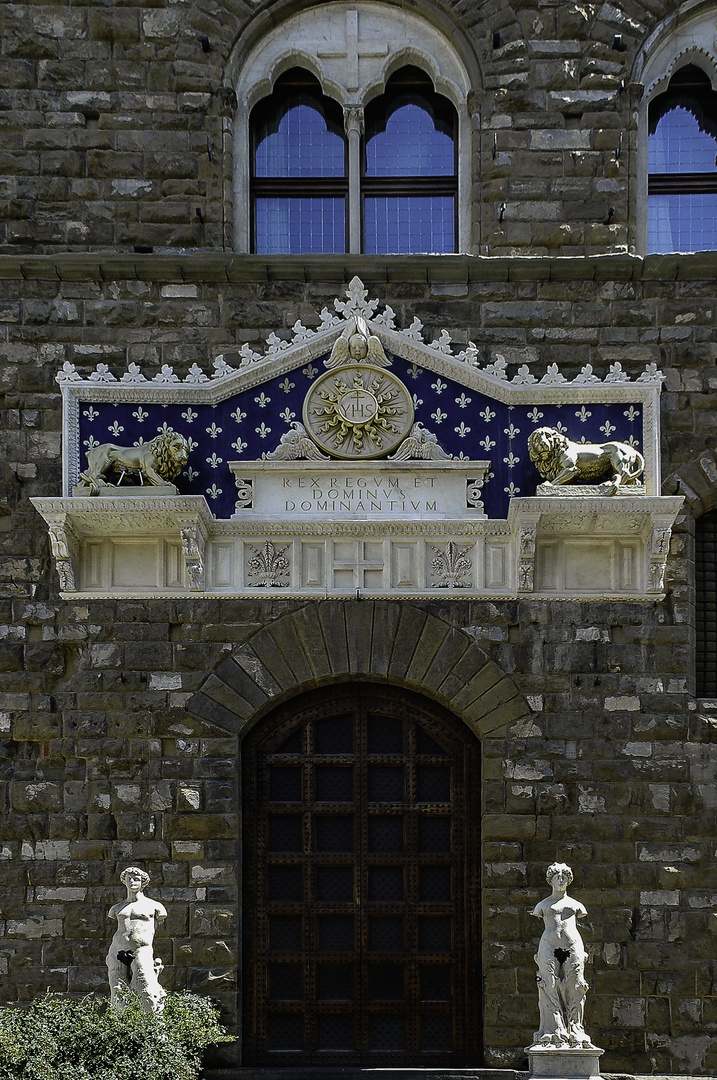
{"x":60,"y":1039}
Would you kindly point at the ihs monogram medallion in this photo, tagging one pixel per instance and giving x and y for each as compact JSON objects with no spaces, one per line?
{"x":358,"y":411}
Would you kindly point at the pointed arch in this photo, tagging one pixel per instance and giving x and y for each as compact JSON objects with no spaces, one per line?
{"x":334,"y":641}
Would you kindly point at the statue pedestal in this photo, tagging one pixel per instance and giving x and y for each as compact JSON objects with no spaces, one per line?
{"x":588,"y":491}
{"x":564,"y":1063}
{"x":126,"y":491}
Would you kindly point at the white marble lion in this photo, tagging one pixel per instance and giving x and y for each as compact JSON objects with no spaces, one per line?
{"x":154,"y":463}
{"x":559,"y":460}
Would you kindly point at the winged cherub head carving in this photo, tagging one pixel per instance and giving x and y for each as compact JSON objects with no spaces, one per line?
{"x":357,"y":345}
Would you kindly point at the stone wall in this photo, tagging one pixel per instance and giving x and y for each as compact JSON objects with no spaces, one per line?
{"x":117,"y":134}
{"x":117,"y":744}
{"x":108,"y":758}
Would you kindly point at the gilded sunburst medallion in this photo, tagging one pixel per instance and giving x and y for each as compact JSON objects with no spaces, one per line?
{"x":358,"y":411}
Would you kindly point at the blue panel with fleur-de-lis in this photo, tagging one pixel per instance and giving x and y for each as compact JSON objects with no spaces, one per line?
{"x":249,"y":425}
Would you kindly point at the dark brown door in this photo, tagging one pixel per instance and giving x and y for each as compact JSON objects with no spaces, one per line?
{"x":360,"y":868}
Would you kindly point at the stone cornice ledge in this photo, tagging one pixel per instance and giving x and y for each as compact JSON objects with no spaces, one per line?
{"x":626,"y":518}
{"x":171,"y":534}
{"x":227,"y":268}
{"x":186,"y":519}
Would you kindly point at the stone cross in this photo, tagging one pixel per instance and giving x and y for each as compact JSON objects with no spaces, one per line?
{"x":355,"y":50}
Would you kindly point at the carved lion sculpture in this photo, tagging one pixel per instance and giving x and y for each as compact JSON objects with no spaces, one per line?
{"x":156,"y":462}
{"x":559,"y":460}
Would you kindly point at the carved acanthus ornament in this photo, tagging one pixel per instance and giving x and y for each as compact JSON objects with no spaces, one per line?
{"x":526,"y":557}
{"x":451,"y":567}
{"x":658,"y":551}
{"x":269,"y":567}
{"x":353,"y":119}
{"x":194,"y":537}
{"x":63,"y":545}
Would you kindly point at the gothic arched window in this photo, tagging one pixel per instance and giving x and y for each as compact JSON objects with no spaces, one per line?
{"x":353,"y":134}
{"x":409,"y":177}
{"x":682,"y":165}
{"x":303,"y":191}
{"x":299,"y":170}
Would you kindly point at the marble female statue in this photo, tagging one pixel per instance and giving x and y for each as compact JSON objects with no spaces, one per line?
{"x":561,"y":965}
{"x":130,"y":960}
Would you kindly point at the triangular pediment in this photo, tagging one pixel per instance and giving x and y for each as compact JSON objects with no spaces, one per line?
{"x":234,"y":371}
{"x":241,"y":409}
{"x":357,"y":455}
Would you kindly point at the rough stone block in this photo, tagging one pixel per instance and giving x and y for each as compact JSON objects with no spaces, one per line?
{"x":333,"y":626}
{"x":359,"y":632}
{"x":385,"y":622}
{"x":410,"y":627}
{"x":309,"y":631}
{"x":269,"y":655}
{"x":430,"y":641}
{"x":199,"y":826}
{"x":285,"y":635}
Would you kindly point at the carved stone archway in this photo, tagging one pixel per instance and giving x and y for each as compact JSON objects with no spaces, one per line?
{"x":327,"y":642}
{"x":338,"y":640}
{"x":697,"y":481}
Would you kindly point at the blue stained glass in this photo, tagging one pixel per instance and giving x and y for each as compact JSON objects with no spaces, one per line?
{"x":409,"y":224}
{"x":412,"y":144}
{"x":288,"y":225}
{"x":299,"y":140}
{"x":678,"y":145}
{"x":682,"y":222}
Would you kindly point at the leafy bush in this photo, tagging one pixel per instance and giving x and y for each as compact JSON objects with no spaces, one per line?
{"x":60,"y":1039}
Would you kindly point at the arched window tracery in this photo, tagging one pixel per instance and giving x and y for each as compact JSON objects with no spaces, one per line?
{"x":299,"y":170}
{"x":303,"y":191}
{"x":349,"y":59}
{"x":409,"y":182}
{"x":682,"y":164}
{"x":676,"y":194}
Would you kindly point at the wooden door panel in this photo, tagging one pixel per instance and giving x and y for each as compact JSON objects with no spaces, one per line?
{"x":360,"y":912}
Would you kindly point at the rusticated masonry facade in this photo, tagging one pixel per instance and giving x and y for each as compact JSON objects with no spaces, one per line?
{"x":303,"y":612}
{"x":125,"y":715}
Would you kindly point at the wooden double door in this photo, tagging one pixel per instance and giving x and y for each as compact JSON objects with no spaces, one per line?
{"x":360,"y":905}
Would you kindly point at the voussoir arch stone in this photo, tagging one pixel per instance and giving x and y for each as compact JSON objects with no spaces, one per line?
{"x":379,"y":641}
{"x":697,"y":481}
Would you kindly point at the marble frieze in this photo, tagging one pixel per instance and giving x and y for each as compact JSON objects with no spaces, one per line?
{"x":357,"y":457}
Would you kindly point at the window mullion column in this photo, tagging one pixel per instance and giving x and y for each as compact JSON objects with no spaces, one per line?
{"x":354,"y":126}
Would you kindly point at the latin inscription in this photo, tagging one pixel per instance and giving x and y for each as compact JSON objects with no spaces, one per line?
{"x":379,"y":490}
{"x":359,"y":494}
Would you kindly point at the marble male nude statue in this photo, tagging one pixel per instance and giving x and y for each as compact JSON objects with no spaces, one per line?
{"x":561,"y":965}
{"x":130,"y":960}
